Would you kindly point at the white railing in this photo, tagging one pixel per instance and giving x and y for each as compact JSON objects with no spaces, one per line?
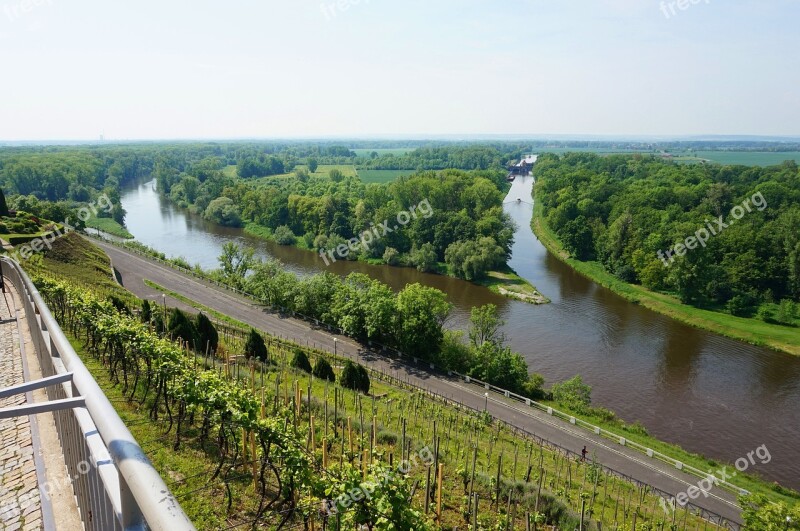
{"x":116,"y":486}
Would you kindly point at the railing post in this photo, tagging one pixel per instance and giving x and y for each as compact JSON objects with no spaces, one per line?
{"x":132,"y":518}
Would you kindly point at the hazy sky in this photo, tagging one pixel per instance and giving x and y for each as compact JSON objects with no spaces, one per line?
{"x":138,"y":69}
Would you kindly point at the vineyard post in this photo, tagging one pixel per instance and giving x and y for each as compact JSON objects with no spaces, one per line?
{"x":253,"y":457}
{"x":428,"y":490}
{"x":364,"y":463}
{"x":497,"y":480}
{"x":583,"y":509}
{"x":350,"y":432}
{"x":311,"y":433}
{"x":475,"y":513}
{"x":439,"y":494}
{"x":324,"y":454}
{"x":474,"y":464}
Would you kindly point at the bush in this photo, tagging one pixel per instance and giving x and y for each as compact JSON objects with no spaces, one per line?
{"x":147,"y":312}
{"x":355,"y":377}
{"x":181,"y":328}
{"x":573,"y":393}
{"x":284,"y":235}
{"x":391,"y":256}
{"x":255,"y":346}
{"x":739,"y":305}
{"x":323,"y":370}
{"x":387,"y":437}
{"x":300,"y":361}
{"x":208,"y":338}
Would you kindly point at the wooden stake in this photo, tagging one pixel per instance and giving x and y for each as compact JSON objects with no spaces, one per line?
{"x":350,"y":432}
{"x":439,"y":494}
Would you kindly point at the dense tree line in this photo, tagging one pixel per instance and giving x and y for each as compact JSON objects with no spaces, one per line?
{"x":459,"y":218}
{"x":622,"y":211}
{"x":412,"y":320}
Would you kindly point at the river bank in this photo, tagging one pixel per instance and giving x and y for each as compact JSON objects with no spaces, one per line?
{"x":752,"y":331}
{"x":503,"y":281}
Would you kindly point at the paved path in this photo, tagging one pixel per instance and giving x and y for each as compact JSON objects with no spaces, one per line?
{"x":20,"y":503}
{"x":133,"y":269}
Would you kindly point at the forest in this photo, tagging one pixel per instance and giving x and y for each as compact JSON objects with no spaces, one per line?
{"x":622,"y":211}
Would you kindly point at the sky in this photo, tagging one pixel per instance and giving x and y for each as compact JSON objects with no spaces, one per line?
{"x":181,"y":69}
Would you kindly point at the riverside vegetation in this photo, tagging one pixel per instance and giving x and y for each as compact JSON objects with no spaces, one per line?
{"x":273,"y":442}
{"x":613,"y":215}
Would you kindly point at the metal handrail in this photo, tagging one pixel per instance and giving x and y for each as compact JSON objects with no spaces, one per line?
{"x":135,"y":497}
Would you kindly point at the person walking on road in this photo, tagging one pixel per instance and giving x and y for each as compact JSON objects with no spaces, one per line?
{"x":583,"y":453}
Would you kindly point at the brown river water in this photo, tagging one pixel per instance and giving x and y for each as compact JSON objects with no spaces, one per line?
{"x":711,"y":395}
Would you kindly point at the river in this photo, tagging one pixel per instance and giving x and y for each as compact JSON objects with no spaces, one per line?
{"x":710,"y":394}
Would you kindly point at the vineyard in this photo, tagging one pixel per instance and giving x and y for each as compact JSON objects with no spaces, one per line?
{"x":264,"y":445}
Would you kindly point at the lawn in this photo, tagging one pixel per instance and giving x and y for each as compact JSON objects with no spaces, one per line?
{"x":109,"y":226}
{"x":748,"y":158}
{"x":381,"y":176}
{"x":383,"y":151}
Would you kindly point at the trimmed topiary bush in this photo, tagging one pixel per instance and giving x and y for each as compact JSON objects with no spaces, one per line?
{"x":323,"y":370}
{"x":300,"y":361}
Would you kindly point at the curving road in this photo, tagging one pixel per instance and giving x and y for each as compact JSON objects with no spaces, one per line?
{"x":133,"y":269}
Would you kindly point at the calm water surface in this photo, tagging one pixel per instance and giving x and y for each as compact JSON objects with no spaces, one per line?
{"x":707,"y":393}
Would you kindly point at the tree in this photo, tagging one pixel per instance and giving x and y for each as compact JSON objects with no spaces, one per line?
{"x":485,"y":326}
{"x":236,"y":262}
{"x":222,"y":210}
{"x":255,"y":347}
{"x":3,"y":205}
{"x":323,"y":370}
{"x":312,"y":165}
{"x":301,"y":174}
{"x":207,"y":335}
{"x":300,"y":361}
{"x":336,"y":175}
{"x":424,"y":258}
{"x":573,"y":393}
{"x":147,"y":312}
{"x":355,"y":377}
{"x":284,"y":236}
{"x":181,"y":328}
{"x":761,"y":514}
{"x":578,"y":239}
{"x":473,"y":259}
{"x":420,"y":317}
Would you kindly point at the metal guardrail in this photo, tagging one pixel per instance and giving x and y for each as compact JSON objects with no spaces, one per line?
{"x":116,"y":486}
{"x":619,"y":439}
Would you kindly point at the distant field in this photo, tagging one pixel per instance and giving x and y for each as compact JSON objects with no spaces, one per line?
{"x":383,"y":151}
{"x":747,"y":158}
{"x":562,"y":150}
{"x":229,"y":171}
{"x":347,"y":169}
{"x":381,"y":176}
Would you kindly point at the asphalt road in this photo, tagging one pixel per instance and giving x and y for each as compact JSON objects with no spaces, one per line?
{"x":133,"y":269}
